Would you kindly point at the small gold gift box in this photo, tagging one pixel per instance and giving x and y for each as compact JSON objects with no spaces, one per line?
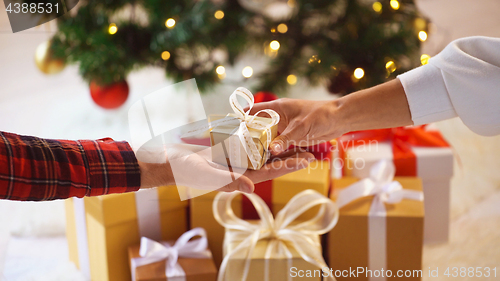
{"x":221,"y":135}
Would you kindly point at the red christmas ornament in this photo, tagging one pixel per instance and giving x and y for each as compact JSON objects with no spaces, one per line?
{"x":264,"y":96}
{"x":109,"y":96}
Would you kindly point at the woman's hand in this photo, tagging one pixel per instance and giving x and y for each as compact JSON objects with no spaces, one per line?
{"x":303,"y":122}
{"x":191,"y":166}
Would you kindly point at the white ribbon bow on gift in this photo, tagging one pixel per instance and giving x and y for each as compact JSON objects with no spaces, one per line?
{"x":152,"y":251}
{"x":242,"y":133}
{"x":249,"y":121}
{"x":385,"y":190}
{"x":382,"y":186}
{"x":282,"y":235}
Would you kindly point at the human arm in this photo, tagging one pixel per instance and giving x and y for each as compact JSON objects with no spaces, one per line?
{"x":463,"y":80}
{"x":305,"y":123}
{"x":191,"y":165}
{"x":37,"y":169}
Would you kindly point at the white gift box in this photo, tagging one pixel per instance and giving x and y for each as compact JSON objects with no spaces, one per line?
{"x":434,"y":167}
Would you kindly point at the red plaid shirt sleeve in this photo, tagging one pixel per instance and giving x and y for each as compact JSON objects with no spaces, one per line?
{"x":35,"y":169}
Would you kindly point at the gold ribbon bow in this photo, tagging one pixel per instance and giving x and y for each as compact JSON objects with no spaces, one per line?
{"x":302,"y":236}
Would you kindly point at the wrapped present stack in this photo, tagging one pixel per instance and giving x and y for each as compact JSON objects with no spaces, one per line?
{"x":100,"y":229}
{"x":276,"y":233}
{"x":416,"y":152}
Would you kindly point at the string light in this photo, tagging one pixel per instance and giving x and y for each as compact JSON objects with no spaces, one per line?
{"x":394,"y":4}
{"x":170,"y":23}
{"x":219,"y":14}
{"x":273,"y":30}
{"x":291,"y":79}
{"x":247,"y":72}
{"x":282,"y":28}
{"x":165,"y":55}
{"x":220,"y":70}
{"x":359,"y":73}
{"x":274,"y":45}
{"x":422,"y":35}
{"x":112,"y":28}
{"x":313,"y":59}
{"x":377,"y":7}
{"x":424,"y":59}
{"x":390,"y":66}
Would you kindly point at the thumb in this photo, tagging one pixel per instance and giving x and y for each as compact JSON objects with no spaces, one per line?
{"x":242,"y":183}
{"x":285,"y":140}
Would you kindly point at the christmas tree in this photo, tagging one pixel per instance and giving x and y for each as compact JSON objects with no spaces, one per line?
{"x":345,"y":45}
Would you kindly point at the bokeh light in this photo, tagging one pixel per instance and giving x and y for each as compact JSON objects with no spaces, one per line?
{"x":274,"y":45}
{"x":170,"y":23}
{"x":359,"y":73}
{"x":377,"y":7}
{"x":282,"y":28}
{"x":422,"y":35}
{"x":220,"y":70}
{"x":219,"y":14}
{"x":390,"y":66}
{"x":291,"y":79}
{"x":424,"y":59}
{"x":112,"y":28}
{"x":394,"y":4}
{"x":247,"y":72}
{"x":165,"y":55}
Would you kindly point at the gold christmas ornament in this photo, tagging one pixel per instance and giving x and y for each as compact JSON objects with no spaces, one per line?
{"x":44,"y":60}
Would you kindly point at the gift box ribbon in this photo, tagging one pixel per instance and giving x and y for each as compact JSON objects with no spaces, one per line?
{"x":242,"y":134}
{"x":401,"y":138}
{"x":282,"y":234}
{"x":384,"y":190}
{"x":152,"y":251}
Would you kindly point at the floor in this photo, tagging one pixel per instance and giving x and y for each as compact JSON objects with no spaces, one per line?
{"x":31,"y":243}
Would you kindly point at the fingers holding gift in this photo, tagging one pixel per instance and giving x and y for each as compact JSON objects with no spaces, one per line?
{"x":296,"y":133}
{"x":279,"y":166}
{"x":242,"y":183}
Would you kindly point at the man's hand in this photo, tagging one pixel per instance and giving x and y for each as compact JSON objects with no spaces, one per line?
{"x":191,"y":166}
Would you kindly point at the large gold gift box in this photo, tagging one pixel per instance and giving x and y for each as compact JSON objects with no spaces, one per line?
{"x":195,"y":269}
{"x":112,"y":226}
{"x":202,"y":215}
{"x":281,"y":190}
{"x":316,"y":177}
{"x":347,"y":243}
{"x":279,"y":269}
{"x":220,"y":135}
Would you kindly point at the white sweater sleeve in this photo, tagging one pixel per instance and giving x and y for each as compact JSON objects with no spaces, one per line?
{"x":463,"y":80}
